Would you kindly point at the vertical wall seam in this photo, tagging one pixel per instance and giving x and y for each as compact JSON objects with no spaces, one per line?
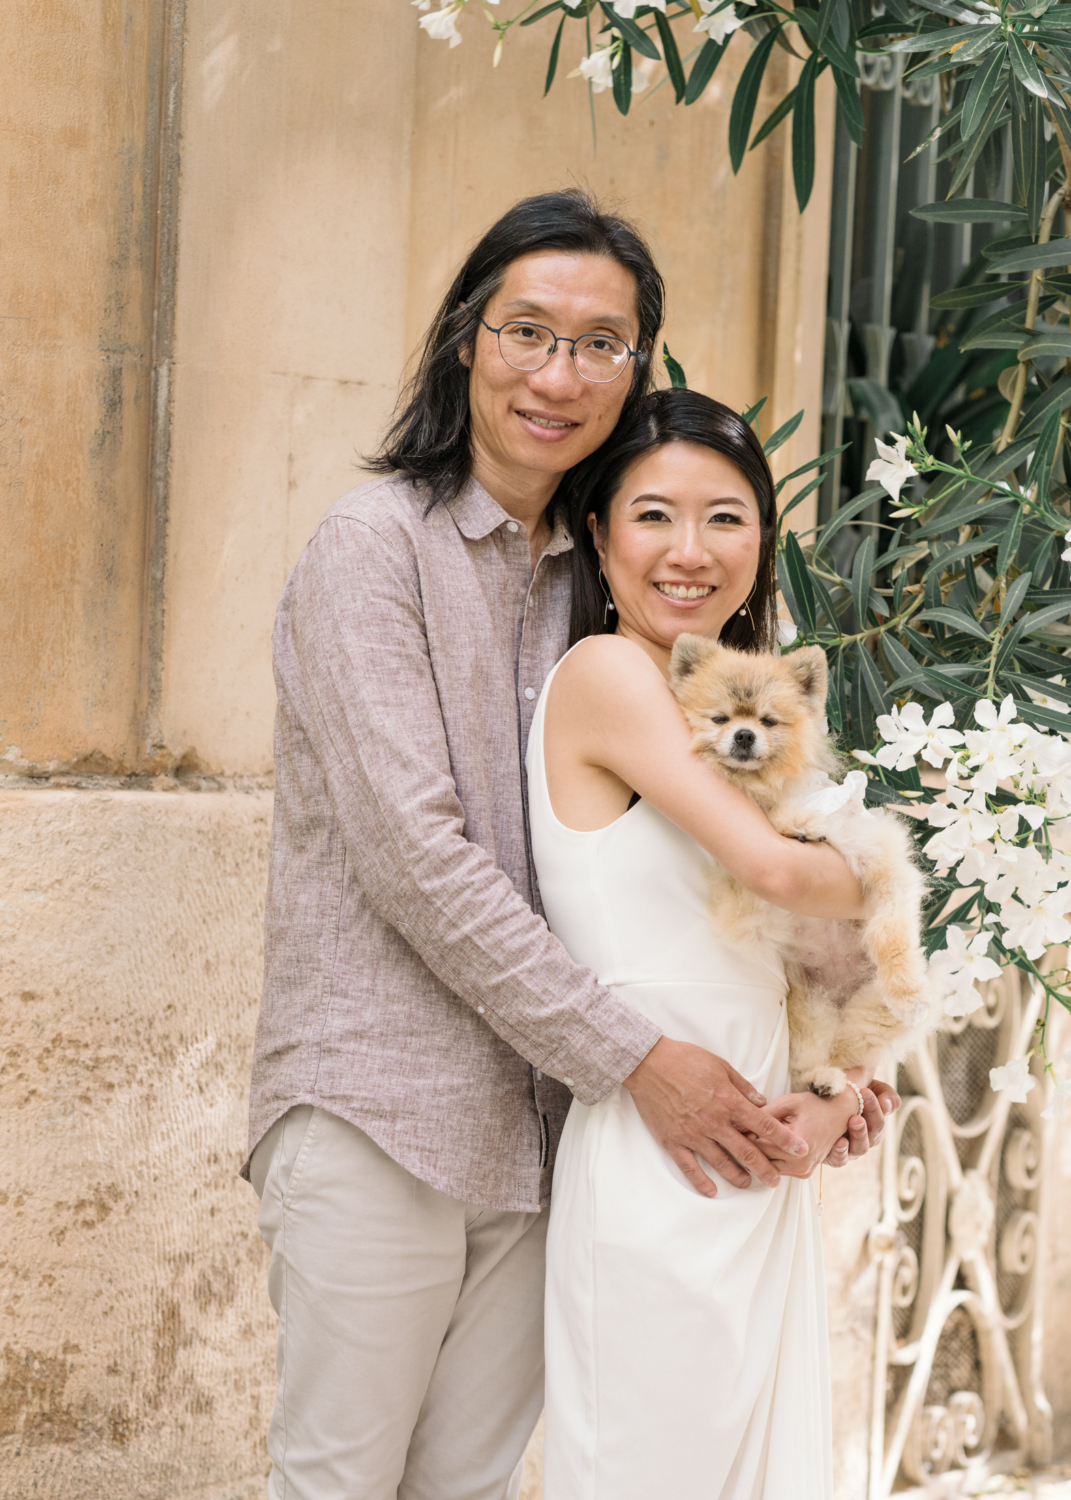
{"x":151,"y":748}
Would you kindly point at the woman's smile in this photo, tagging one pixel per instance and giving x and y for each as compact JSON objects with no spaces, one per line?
{"x":682,"y":593}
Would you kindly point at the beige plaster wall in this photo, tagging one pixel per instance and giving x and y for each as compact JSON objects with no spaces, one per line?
{"x":290,"y":329}
{"x":78,"y":113}
{"x":136,"y":1339}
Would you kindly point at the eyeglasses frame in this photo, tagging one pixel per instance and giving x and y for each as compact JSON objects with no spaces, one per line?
{"x":559,"y":339}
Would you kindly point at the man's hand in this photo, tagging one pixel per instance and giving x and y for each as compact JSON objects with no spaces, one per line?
{"x":696,"y":1105}
{"x":866,"y":1130}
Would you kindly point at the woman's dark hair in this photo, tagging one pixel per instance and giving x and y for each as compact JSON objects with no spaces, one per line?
{"x":429,"y":439}
{"x":674,"y":416}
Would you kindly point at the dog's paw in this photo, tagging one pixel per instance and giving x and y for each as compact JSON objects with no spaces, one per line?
{"x":797,"y":823}
{"x":827,"y":1083}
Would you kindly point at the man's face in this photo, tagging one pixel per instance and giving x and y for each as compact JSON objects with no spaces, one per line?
{"x":545,"y":421}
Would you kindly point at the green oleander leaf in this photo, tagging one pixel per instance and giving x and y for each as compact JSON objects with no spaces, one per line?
{"x":803,"y":137}
{"x":746,"y":97}
{"x":969,"y":211}
{"x":955,"y":619}
{"x":674,"y":66}
{"x":552,"y":64}
{"x":630,"y":33}
{"x":980,"y":92}
{"x":710,"y":55}
{"x":677,"y":378}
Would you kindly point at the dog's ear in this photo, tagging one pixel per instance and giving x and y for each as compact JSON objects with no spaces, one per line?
{"x":809,"y":667}
{"x":689,"y":652}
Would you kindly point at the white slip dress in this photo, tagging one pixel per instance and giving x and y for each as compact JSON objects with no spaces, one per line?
{"x":686,"y":1338}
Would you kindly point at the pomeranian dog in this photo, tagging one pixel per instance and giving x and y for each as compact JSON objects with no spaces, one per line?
{"x":856,"y":989}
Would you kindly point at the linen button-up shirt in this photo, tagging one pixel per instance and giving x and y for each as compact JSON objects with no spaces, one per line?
{"x":411,"y":985}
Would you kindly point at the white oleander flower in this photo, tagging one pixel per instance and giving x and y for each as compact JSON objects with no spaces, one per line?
{"x":964,"y":820}
{"x":1061,"y":1098}
{"x":719,"y":24}
{"x":1042,"y":699}
{"x":441,"y":25}
{"x":1032,"y":814}
{"x":979,"y":863}
{"x":960,"y":967}
{"x":1065,"y":555}
{"x":1027,"y":874}
{"x":628,"y":8}
{"x":1015,"y":1078}
{"x":1050,"y":770}
{"x":421,"y":4}
{"x":598,"y":69}
{"x":893,"y":469}
{"x":996,"y":751}
{"x":1035,"y":928}
{"x":909,"y":735}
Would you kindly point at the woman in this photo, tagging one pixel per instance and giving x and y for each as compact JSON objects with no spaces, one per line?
{"x":685,"y":1334}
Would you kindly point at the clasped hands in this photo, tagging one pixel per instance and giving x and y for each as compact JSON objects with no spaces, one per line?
{"x":699,"y":1108}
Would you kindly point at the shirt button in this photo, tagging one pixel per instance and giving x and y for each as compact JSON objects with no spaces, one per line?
{"x":539,"y":1076}
{"x":568,"y":1082}
{"x":479,"y":1010}
{"x":512,"y":526}
{"x":529,"y":693}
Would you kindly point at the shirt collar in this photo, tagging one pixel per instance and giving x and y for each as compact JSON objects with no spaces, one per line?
{"x":561,"y":539}
{"x":476,"y":515}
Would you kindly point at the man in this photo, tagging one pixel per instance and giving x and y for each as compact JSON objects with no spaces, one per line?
{"x":421,"y":1032}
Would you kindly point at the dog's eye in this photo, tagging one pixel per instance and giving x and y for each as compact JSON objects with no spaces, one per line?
{"x":720,"y":718}
{"x":770,"y":723}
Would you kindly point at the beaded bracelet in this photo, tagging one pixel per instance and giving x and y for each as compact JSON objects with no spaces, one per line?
{"x":857,"y":1091}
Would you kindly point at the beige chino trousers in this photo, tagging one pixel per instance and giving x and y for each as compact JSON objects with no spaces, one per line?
{"x":410,"y":1345}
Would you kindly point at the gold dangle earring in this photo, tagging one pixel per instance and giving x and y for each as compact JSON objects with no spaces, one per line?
{"x":609,"y":602}
{"x":747,"y":601}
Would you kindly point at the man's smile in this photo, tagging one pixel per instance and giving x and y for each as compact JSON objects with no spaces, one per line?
{"x":543,"y":419}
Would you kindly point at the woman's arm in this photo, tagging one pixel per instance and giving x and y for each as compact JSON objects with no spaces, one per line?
{"x":611,"y":714}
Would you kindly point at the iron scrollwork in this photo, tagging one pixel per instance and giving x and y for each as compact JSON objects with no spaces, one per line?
{"x":957,"y":1368}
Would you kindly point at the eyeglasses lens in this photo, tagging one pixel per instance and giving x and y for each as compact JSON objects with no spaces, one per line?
{"x":528,"y":346}
{"x":525,"y":346}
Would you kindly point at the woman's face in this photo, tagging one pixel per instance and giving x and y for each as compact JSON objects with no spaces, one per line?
{"x":681,"y":548}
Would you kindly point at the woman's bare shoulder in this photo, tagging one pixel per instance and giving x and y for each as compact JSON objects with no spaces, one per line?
{"x":599,"y":658}
{"x":606,"y":669}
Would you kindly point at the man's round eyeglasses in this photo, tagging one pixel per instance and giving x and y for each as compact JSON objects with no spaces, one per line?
{"x":529,"y":346}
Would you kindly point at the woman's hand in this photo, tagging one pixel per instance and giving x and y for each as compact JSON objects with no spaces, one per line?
{"x":821,"y":1123}
{"x":865,"y":1131}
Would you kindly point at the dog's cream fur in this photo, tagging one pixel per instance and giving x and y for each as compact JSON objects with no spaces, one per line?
{"x":856,"y":989}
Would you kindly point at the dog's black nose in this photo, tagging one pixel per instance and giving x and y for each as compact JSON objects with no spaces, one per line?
{"x":744,"y":739}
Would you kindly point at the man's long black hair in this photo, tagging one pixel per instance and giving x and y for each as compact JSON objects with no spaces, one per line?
{"x":429,"y":440}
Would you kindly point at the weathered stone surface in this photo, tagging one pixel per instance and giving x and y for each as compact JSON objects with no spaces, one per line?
{"x":137,"y":1340}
